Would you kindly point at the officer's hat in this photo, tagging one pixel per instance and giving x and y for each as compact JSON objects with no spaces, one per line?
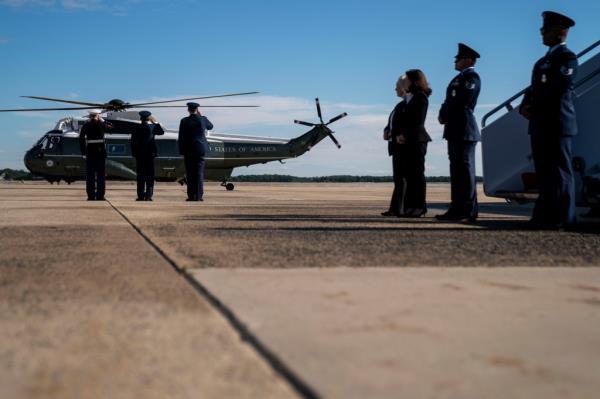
{"x":94,"y":112}
{"x":145,"y":114}
{"x":555,"y":20}
{"x":192,"y":106}
{"x":465,"y":51}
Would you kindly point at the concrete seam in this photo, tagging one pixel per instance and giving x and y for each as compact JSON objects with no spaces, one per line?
{"x":244,"y":332}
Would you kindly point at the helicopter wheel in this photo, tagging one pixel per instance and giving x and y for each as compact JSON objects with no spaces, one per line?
{"x":229,"y":186}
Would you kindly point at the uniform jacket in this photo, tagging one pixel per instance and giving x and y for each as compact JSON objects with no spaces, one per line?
{"x":456,"y":112}
{"x":394,"y":123}
{"x":93,"y":131}
{"x":412,"y":124}
{"x":550,"y":96}
{"x":143,"y":144}
{"x":192,"y":136}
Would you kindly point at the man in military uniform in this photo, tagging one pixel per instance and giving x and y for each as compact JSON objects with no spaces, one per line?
{"x":548,"y":104}
{"x":93,"y":150}
{"x":143,"y":149}
{"x":194,"y":147}
{"x":462,"y":133}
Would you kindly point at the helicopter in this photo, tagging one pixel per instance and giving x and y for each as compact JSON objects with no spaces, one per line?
{"x":56,"y":156}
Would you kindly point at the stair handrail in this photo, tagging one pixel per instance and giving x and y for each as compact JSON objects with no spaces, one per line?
{"x":507,"y":104}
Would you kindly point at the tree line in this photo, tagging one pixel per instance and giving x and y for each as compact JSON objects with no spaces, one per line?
{"x":12,"y":174}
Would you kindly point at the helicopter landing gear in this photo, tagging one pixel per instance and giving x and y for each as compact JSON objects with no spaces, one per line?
{"x":228,"y":186}
{"x":182,"y":181}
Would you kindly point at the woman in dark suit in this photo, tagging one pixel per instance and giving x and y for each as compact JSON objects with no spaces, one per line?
{"x":391,"y":134}
{"x":414,"y":138}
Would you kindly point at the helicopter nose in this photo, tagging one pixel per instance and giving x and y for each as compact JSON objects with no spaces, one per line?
{"x":30,"y":159}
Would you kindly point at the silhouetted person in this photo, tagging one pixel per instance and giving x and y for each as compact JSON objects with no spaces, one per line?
{"x":93,"y":150}
{"x":391,"y":133}
{"x":548,"y":104}
{"x":462,"y":133}
{"x":414,"y":138}
{"x":194,"y":147}
{"x":143,"y":149}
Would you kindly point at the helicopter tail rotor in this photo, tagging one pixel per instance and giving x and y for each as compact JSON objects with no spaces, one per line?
{"x":323,"y":124}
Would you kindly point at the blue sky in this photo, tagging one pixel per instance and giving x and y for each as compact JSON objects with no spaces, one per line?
{"x":349,"y":53}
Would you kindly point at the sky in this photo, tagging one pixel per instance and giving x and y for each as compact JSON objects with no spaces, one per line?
{"x":348,"y":53}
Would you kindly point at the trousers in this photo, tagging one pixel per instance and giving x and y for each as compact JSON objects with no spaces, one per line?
{"x":552,"y":158}
{"x":463,"y":189}
{"x":145,"y":177}
{"x":194,"y":172}
{"x":95,"y":177}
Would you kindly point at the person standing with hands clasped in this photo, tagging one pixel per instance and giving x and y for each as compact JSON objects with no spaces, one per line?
{"x":391,"y":133}
{"x":462,"y":133}
{"x":415,"y":138}
{"x":93,"y":150}
{"x":193,"y":145}
{"x":143,"y":149}
{"x":548,"y":104}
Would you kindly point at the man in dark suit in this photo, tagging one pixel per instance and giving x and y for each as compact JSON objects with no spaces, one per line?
{"x":194,"y":147}
{"x":548,"y":104}
{"x":143,"y":149}
{"x":392,"y":134}
{"x":462,"y":133}
{"x":93,"y":150}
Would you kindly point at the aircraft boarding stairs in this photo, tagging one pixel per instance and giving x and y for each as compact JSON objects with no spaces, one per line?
{"x":508,"y":170}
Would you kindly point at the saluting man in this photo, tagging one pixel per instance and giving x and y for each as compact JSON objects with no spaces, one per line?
{"x":194,"y":147}
{"x":462,"y":133}
{"x":93,"y":150}
{"x":143,"y":149}
{"x":548,"y":104}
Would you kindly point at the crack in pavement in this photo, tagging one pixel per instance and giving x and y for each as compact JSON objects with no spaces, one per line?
{"x":300,"y":386}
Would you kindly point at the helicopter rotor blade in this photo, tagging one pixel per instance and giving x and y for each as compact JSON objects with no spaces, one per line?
{"x":332,"y":137}
{"x":337,"y":118}
{"x":304,"y":123}
{"x":95,"y":105}
{"x":197,"y":98}
{"x":319,"y":110}
{"x":46,"y":109}
{"x":202,"y":106}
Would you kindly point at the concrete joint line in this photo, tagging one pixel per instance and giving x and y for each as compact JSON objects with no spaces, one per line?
{"x":246,"y":335}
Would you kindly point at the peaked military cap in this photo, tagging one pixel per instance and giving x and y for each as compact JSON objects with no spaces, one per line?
{"x":145,"y":114}
{"x":465,"y":51}
{"x":94,"y":112}
{"x":552,"y":18}
{"x":192,"y":106}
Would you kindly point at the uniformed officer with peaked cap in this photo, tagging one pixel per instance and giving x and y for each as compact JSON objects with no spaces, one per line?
{"x":462,"y":133}
{"x":93,"y":149}
{"x":194,"y":147}
{"x":143,"y":149}
{"x":548,"y":104}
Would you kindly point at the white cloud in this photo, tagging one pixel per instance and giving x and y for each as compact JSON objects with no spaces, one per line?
{"x":24,"y":3}
{"x":114,"y":8}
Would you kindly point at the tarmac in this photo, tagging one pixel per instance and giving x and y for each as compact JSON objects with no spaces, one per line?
{"x":289,"y":290}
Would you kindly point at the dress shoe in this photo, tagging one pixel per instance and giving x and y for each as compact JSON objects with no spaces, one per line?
{"x":389,"y":213}
{"x":139,"y":199}
{"x":453,"y":217}
{"x":414,"y":213}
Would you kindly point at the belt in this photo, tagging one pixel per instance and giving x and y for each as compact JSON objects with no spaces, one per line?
{"x":95,"y":141}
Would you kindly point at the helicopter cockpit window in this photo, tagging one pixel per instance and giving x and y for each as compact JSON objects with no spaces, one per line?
{"x":52,"y":144}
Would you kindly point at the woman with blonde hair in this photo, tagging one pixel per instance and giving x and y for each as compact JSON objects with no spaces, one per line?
{"x":395,"y":149}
